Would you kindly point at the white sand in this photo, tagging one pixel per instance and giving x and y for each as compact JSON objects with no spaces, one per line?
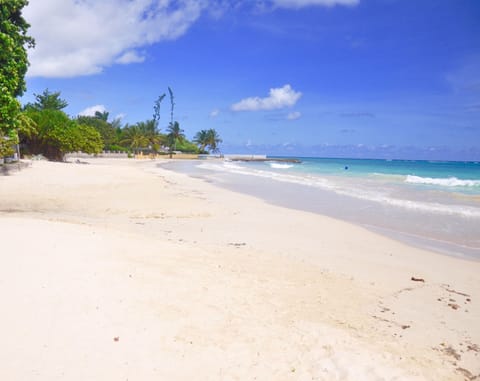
{"x":197,"y":282}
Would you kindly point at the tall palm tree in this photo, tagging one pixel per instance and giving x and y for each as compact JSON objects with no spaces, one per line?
{"x":172,"y":104}
{"x":156,"y":109}
{"x":175,"y":134}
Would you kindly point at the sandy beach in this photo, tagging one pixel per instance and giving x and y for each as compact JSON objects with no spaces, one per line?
{"x":119,"y":270}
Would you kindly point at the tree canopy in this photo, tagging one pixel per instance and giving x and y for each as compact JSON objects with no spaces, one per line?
{"x":207,"y":139}
{"x":13,"y":43}
{"x":175,"y":135}
{"x":48,"y":101}
{"x":55,"y":134}
{"x":143,"y":135}
{"x":46,"y":129}
{"x":106,"y":130}
{"x":13,"y":66}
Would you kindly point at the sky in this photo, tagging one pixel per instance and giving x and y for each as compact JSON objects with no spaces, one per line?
{"x":351,"y":78}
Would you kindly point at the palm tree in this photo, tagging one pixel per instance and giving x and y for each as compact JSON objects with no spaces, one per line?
{"x":103,"y":115}
{"x":172,"y":104}
{"x":142,"y":135}
{"x":207,"y":138}
{"x":134,"y":137}
{"x":201,"y":139}
{"x":175,"y":134}
{"x":156,"y":108}
{"x":150,"y":131}
{"x":117,"y":127}
{"x":213,"y":140}
{"x":117,"y":123}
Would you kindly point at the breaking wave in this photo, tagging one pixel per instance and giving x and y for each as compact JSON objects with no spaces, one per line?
{"x":446,"y":182}
{"x":345,"y":190}
{"x":280,"y":165}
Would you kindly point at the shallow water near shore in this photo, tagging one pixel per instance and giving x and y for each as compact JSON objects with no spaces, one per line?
{"x":433,"y":205}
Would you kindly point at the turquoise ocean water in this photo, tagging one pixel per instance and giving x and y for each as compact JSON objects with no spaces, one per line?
{"x":432,"y":204}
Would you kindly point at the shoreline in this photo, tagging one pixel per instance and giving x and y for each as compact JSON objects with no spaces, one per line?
{"x":321,"y":202}
{"x":165,"y":276}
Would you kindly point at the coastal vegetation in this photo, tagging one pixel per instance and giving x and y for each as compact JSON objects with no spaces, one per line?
{"x":43,"y":127}
{"x":14,"y":42}
{"x":208,"y":140}
{"x":49,"y":131}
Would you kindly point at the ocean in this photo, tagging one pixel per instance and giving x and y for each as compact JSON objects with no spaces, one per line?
{"x":430,"y":204}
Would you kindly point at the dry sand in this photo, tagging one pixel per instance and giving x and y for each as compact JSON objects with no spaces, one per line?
{"x":120,"y":271}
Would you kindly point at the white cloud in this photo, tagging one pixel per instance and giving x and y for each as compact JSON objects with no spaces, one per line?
{"x":120,"y":116}
{"x":214,"y":113}
{"x":294,"y":115}
{"x":306,"y":3}
{"x":90,"y":111}
{"x":81,"y":37}
{"x":130,"y":57}
{"x":278,"y":98}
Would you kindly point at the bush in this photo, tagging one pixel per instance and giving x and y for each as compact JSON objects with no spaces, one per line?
{"x":117,"y":148}
{"x":187,"y":147}
{"x":55,"y":134}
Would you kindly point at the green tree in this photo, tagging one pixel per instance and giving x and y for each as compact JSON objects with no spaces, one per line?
{"x":117,"y":126}
{"x":55,"y":134}
{"x":151,"y":131}
{"x":187,"y":146}
{"x":201,"y":139}
{"x":174,"y":135}
{"x":213,"y":140}
{"x":48,"y":101}
{"x":87,"y":139}
{"x":207,"y":139}
{"x":6,"y":148}
{"x":143,"y":135}
{"x":102,"y":115}
{"x":13,"y":65}
{"x":26,"y":125}
{"x":133,"y":137}
{"x":106,"y":130}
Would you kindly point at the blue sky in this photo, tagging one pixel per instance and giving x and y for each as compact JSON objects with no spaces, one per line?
{"x":358,"y":78}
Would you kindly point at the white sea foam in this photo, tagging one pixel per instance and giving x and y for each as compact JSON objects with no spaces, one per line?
{"x":280,"y":165}
{"x":430,"y":207}
{"x":229,"y":164}
{"x":346,"y":190}
{"x":446,"y":182}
